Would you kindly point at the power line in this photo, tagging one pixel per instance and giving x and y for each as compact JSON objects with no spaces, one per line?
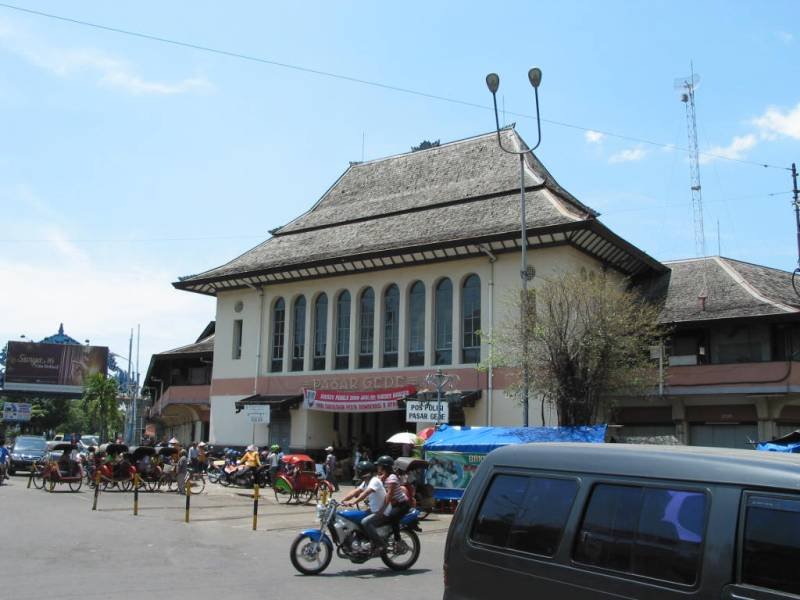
{"x":260,"y":236}
{"x":368,"y":82}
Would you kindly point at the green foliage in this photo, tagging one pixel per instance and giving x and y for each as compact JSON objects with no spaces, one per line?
{"x":585,"y":339}
{"x":100,"y":406}
{"x":424,"y":145}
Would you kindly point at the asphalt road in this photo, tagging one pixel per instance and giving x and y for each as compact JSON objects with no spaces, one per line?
{"x":54,"y":546}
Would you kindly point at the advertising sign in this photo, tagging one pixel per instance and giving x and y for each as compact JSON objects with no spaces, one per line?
{"x":355,"y":401}
{"x":52,"y":367}
{"x":451,"y":470}
{"x":418,"y":411}
{"x":257,"y":414}
{"x":16,"y":411}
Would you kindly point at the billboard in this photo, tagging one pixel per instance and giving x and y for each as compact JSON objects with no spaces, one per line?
{"x":16,"y":411}
{"x":52,"y":368}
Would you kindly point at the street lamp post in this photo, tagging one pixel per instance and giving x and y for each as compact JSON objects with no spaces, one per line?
{"x":439,"y":380}
{"x":526,"y":273}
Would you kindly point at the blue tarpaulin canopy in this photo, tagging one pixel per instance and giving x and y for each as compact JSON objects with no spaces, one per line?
{"x":787,"y":443}
{"x":485,"y":439}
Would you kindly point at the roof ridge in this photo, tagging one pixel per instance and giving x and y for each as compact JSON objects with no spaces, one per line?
{"x":749,"y":287}
{"x":372,"y":161}
{"x":746,"y":262}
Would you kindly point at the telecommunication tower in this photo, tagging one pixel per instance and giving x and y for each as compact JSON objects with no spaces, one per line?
{"x":687,"y":87}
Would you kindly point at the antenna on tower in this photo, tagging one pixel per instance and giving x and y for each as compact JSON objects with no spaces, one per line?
{"x":687,"y":86}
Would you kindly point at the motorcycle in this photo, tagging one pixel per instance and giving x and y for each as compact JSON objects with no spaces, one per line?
{"x":231,"y":474}
{"x":312,"y":549}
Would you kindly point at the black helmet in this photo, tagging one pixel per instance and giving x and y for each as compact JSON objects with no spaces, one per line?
{"x":385,"y":461}
{"x":364,"y":468}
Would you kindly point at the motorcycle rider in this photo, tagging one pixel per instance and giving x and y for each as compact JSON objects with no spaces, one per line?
{"x":4,"y":459}
{"x":250,"y":461}
{"x":397,"y":503}
{"x":372,"y":490}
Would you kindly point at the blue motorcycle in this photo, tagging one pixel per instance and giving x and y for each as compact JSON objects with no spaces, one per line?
{"x":312,"y":549}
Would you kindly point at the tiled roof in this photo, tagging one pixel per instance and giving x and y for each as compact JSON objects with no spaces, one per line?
{"x":454,"y":192}
{"x":199,"y":347}
{"x":733,"y":289}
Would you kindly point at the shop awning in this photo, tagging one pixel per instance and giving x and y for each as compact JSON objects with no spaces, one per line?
{"x":274,"y":402}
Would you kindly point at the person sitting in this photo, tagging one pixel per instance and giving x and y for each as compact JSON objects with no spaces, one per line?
{"x":250,"y":461}
{"x":372,"y":490}
{"x":396,"y":504}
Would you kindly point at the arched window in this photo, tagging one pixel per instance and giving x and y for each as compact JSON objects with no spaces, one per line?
{"x":320,"y":331}
{"x":343,"y":331}
{"x":278,"y":335}
{"x":299,"y":334}
{"x":366,"y":328}
{"x":443,"y":326}
{"x":471,"y":320}
{"x":391,"y":325}
{"x":416,"y":325}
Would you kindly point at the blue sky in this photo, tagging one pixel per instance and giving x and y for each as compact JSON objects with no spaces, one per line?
{"x":125,"y":163}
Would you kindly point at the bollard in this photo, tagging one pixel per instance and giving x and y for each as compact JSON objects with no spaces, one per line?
{"x":135,"y":494}
{"x":30,"y":477}
{"x":188,"y":491}
{"x":255,"y":506}
{"x":96,"y":487}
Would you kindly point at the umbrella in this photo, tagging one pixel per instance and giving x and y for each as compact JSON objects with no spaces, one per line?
{"x":426,"y":433}
{"x":403,"y":438}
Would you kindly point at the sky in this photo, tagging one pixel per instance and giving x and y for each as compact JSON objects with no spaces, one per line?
{"x":127,"y":162}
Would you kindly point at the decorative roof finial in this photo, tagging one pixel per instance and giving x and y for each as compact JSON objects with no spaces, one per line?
{"x":61,"y":329}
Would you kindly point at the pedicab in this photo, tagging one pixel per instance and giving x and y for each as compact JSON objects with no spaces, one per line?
{"x":168,"y":475}
{"x":116,"y":470}
{"x":298,"y":480}
{"x":149,"y":472}
{"x":65,"y":470}
{"x":412,"y":472}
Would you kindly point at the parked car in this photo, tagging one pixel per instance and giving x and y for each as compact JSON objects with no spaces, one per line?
{"x":26,"y":450}
{"x":588,"y":521}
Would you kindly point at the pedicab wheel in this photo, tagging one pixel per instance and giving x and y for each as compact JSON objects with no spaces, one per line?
{"x":197,"y":483}
{"x":308,"y":557}
{"x":125,"y":485}
{"x":401,"y":555}
{"x":172,"y":485}
{"x":151,"y":485}
{"x":38,"y":481}
{"x":75,"y":486}
{"x":283,"y":493}
{"x":306,"y":496}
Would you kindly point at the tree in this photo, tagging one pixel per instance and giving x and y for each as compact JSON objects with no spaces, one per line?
{"x":424,"y":145}
{"x":587,"y":340}
{"x":100,"y":405}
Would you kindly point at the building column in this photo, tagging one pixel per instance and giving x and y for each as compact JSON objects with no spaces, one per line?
{"x":330,"y":334}
{"x":402,"y":324}
{"x":681,"y":423}
{"x":457,"y":334}
{"x":766,"y":422}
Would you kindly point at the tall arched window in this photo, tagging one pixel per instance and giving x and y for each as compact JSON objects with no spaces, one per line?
{"x":299,"y":333}
{"x":391,"y":325}
{"x":366,"y":328}
{"x":443,"y":324}
{"x":278,"y":335}
{"x":416,"y":325}
{"x":320,"y":331}
{"x":471,"y":320}
{"x":343,"y":331}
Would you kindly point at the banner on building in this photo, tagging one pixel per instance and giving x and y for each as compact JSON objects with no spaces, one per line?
{"x":356,"y":401}
{"x":451,"y":470}
{"x":52,"y":367}
{"x":16,"y":411}
{"x":421,"y":411}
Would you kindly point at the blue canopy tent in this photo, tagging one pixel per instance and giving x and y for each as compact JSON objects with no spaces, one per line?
{"x":787,"y":443}
{"x":454,"y":453}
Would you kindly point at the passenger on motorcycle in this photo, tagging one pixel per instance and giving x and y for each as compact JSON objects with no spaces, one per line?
{"x":250,"y":461}
{"x":372,"y":490}
{"x":397,"y":503}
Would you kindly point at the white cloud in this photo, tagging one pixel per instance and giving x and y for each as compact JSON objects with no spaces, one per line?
{"x":109,"y":70}
{"x":776,"y":122}
{"x":594,"y":137}
{"x":628,"y":155}
{"x":784,"y":36}
{"x":737,"y":149}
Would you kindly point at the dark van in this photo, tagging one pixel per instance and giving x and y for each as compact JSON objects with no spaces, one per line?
{"x":603,"y":521}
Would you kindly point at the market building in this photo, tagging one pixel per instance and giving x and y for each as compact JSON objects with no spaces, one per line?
{"x":393,"y":273}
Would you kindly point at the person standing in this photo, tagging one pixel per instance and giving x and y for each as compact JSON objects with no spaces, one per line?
{"x":273,"y":460}
{"x":193,"y":454}
{"x":330,"y":468}
{"x":181,"y":470}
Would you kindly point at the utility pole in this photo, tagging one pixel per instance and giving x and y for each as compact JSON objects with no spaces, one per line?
{"x":796,"y":194}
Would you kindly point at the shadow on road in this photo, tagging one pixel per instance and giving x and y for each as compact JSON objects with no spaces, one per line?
{"x":371,"y":573}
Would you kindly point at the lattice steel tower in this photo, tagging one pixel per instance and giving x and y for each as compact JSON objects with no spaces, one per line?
{"x":687,"y":87}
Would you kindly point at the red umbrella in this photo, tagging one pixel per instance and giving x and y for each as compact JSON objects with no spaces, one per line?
{"x":426,"y":433}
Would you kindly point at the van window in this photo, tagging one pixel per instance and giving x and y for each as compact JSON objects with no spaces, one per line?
{"x":653,"y":532}
{"x":771,"y":544}
{"x":525,"y":513}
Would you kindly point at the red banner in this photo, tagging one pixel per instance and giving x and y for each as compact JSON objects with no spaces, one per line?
{"x":354,"y":401}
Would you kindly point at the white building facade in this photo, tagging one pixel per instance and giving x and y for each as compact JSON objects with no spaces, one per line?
{"x":404,"y":266}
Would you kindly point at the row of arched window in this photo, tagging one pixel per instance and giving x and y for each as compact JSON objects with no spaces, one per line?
{"x":390,"y":322}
